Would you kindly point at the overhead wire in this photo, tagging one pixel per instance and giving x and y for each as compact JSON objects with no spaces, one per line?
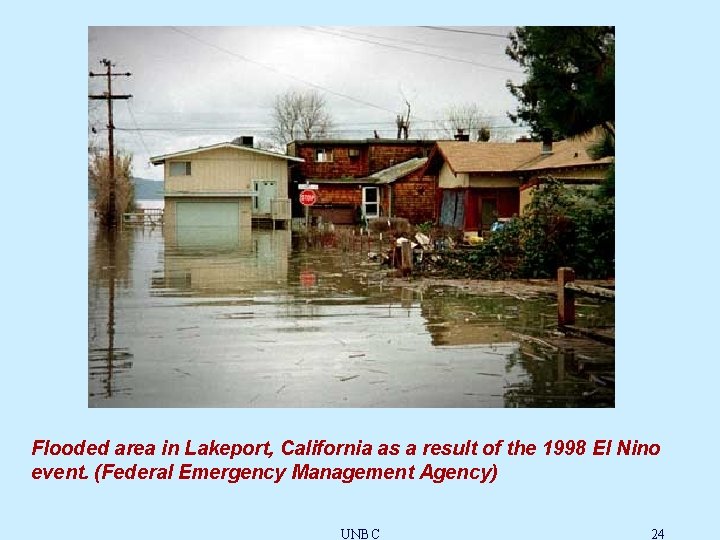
{"x":424,"y":53}
{"x":419,"y":43}
{"x":461,"y":31}
{"x":282,"y":73}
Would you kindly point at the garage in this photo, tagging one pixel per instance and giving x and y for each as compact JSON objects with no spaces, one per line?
{"x":211,"y":223}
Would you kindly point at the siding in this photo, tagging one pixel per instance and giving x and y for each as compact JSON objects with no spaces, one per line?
{"x":227,"y":170}
{"x":448,"y":180}
{"x":414,"y":198}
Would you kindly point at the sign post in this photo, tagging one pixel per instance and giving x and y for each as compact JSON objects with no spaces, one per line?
{"x":308,"y":197}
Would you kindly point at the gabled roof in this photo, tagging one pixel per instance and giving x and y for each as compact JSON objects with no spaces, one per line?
{"x":490,"y":157}
{"x":157,"y":160}
{"x":466,"y":156}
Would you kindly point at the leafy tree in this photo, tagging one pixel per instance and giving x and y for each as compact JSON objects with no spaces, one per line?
{"x":298,"y":115}
{"x":570,"y":85}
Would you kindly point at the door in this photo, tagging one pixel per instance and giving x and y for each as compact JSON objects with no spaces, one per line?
{"x":205,"y":224}
{"x":266,"y":191}
{"x":370,"y":202}
{"x":488,"y":213}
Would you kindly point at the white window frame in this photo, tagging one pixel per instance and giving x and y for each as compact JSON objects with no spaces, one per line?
{"x":365,"y":203}
{"x":323,"y":155}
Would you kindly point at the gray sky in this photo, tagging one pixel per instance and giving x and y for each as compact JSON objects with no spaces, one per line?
{"x":195,"y":86}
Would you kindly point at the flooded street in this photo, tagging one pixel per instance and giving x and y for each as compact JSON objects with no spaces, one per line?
{"x":254,"y":322}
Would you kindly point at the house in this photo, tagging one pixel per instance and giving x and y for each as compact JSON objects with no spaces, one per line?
{"x":365,"y":178}
{"x":479,"y":182}
{"x":214,"y":193}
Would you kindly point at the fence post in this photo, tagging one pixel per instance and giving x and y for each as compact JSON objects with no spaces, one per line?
{"x":406,"y":262}
{"x":566,"y":297}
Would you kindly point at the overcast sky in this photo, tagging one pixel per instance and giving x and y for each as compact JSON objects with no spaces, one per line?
{"x":195,"y":86}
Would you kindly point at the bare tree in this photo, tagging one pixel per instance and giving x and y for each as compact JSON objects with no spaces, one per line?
{"x":298,"y":114}
{"x":467,"y":117}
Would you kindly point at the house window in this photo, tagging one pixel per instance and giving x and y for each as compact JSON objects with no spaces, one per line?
{"x":323,"y":155}
{"x":180,"y":168}
{"x":370,"y":202}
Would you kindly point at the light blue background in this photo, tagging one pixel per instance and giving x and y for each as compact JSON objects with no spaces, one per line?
{"x":667,"y":188}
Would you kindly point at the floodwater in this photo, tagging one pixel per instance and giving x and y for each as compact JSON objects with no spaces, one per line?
{"x":265,"y":324}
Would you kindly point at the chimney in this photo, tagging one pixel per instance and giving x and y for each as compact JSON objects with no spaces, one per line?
{"x":547,"y":141}
{"x":245,"y":140}
{"x":460,"y":136}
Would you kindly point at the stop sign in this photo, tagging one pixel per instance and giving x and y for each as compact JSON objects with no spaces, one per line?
{"x":308,"y":197}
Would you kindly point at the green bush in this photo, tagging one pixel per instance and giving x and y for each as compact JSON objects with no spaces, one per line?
{"x":561,"y":227}
{"x":568,"y":227}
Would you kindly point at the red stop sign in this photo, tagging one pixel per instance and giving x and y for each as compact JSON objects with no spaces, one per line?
{"x":308,"y":197}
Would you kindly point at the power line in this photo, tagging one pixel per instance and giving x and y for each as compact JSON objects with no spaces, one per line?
{"x":457,"y":30}
{"x":138,"y":130}
{"x":279,"y":72}
{"x":270,"y":129}
{"x":418,"y":43}
{"x":423,"y":53}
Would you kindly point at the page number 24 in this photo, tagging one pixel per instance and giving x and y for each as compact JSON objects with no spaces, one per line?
{"x":658,"y":534}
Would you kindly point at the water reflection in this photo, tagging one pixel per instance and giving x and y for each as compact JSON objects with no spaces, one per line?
{"x":260,"y":324}
{"x":258,"y":262}
{"x":109,"y":256}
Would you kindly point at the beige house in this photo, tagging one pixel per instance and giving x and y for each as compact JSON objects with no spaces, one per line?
{"x":481,"y":182}
{"x":213,"y":194}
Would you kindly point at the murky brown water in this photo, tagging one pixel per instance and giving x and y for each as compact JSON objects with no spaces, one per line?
{"x":261,"y":324}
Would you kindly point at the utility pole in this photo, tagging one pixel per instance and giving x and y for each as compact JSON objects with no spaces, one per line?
{"x":109,"y":97}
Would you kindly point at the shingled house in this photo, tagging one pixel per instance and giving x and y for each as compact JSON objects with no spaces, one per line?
{"x":364,"y":178}
{"x":479,"y":182}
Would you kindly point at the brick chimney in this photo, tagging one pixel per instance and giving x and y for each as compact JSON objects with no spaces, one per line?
{"x":547,"y":141}
{"x":460,"y":136}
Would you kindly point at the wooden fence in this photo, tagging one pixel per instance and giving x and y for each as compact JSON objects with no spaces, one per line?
{"x":567,"y":291}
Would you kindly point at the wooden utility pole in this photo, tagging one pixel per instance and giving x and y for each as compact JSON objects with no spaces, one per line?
{"x":109,"y":97}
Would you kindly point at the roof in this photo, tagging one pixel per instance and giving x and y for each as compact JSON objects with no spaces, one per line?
{"x":389,"y":175}
{"x":157,"y":160}
{"x":385,"y":176}
{"x":369,"y":140}
{"x":469,"y":157}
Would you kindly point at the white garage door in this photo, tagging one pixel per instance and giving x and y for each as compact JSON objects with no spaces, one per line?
{"x":207,"y":223}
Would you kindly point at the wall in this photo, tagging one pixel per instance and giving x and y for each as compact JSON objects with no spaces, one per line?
{"x":227,"y":170}
{"x":382,"y":156}
{"x":341,"y":166}
{"x":374,"y":157}
{"x":493,"y":181}
{"x":413,"y":197}
{"x":337,"y":203}
{"x":448,"y":180}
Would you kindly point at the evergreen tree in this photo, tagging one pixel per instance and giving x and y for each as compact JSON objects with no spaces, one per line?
{"x":570,"y":85}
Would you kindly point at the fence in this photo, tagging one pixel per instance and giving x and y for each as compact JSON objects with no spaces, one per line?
{"x":566,"y":292}
{"x":148,"y":216}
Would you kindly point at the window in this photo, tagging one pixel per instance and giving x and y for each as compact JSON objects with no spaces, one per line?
{"x":180,"y":168}
{"x":323,"y":155}
{"x":370,"y":202}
